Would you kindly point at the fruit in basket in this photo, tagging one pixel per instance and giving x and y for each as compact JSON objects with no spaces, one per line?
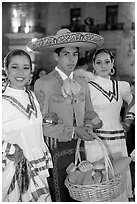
{"x":93,"y":172}
{"x":85,"y":166}
{"x":80,"y":178}
{"x":104,"y":175}
{"x":104,"y":178}
{"x":121,"y":164}
{"x":98,"y":166}
{"x":84,"y":178}
{"x":73,"y":176}
{"x":88,"y":179}
{"x":72,"y":167}
{"x":97,"y":177}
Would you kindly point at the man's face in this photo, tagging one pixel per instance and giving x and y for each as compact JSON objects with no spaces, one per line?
{"x":67,"y":59}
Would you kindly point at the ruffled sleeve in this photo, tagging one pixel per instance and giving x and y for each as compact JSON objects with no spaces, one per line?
{"x":125,"y":91}
{"x":128,"y":97}
{"x":88,"y":76}
{"x":7,"y":148}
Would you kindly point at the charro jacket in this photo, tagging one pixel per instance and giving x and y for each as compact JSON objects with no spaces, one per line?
{"x":49,"y":95}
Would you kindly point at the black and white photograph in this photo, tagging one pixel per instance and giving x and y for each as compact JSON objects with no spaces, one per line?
{"x":68,"y":101}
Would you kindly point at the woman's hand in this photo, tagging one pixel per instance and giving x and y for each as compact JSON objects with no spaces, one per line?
{"x":17,"y":156}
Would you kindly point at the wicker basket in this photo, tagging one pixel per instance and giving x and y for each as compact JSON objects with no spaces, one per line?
{"x":105,"y":191}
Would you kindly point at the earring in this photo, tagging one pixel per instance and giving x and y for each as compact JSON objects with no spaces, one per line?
{"x":29,"y":81}
{"x":112,"y":72}
{"x":94,"y":71}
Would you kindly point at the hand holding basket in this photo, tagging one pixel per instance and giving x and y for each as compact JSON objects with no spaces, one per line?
{"x":96,"y":192}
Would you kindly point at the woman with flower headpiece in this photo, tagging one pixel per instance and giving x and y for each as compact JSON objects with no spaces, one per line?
{"x":107,"y":97}
{"x":25,"y":156}
{"x":63,"y":98}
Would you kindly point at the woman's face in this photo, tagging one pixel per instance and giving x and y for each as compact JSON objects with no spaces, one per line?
{"x":42,"y":73}
{"x":19,"y":71}
{"x":103,"y":65}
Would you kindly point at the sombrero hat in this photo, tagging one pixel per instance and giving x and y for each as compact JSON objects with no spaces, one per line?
{"x":64,"y":37}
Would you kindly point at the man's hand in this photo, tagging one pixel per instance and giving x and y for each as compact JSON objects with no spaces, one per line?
{"x":17,"y":156}
{"x":84,"y":133}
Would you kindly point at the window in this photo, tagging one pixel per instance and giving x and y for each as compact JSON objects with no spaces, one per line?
{"x":26,"y":17}
{"x":75,"y":19}
{"x":75,"y":15}
{"x":112,"y":16}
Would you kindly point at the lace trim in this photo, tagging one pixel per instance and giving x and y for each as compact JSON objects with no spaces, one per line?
{"x":26,"y":111}
{"x":109,"y":95}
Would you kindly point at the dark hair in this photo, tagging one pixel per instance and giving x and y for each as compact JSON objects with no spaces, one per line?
{"x":89,"y":21}
{"x":133,"y":83}
{"x":38,"y":71}
{"x":16,"y":52}
{"x":58,"y":50}
{"x":82,"y":61}
{"x":97,"y":52}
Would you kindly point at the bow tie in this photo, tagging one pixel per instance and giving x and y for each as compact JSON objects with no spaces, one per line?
{"x":70,"y":88}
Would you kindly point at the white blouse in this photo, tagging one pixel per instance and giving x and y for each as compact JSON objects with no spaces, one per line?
{"x":22,"y":125}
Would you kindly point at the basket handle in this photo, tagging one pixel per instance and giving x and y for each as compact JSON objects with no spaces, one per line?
{"x":77,"y":154}
{"x":108,"y":163}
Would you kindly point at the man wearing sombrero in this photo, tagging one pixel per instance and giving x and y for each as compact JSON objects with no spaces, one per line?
{"x":65,"y":103}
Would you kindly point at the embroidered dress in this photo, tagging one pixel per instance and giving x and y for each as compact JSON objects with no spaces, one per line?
{"x":107,"y":97}
{"x":22,"y":125}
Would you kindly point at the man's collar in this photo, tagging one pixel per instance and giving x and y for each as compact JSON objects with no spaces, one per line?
{"x":62,"y":74}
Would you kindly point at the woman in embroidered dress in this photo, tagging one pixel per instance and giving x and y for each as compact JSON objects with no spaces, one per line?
{"x":26,"y":158}
{"x":107,"y":97}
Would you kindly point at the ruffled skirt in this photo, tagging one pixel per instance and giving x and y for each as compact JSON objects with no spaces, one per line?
{"x":117,"y":148}
{"x":27,"y":180}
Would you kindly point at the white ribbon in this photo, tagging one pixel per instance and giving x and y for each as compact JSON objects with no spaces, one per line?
{"x":70,"y":88}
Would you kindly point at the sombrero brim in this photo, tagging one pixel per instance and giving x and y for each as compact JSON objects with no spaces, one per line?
{"x":86,"y":41}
